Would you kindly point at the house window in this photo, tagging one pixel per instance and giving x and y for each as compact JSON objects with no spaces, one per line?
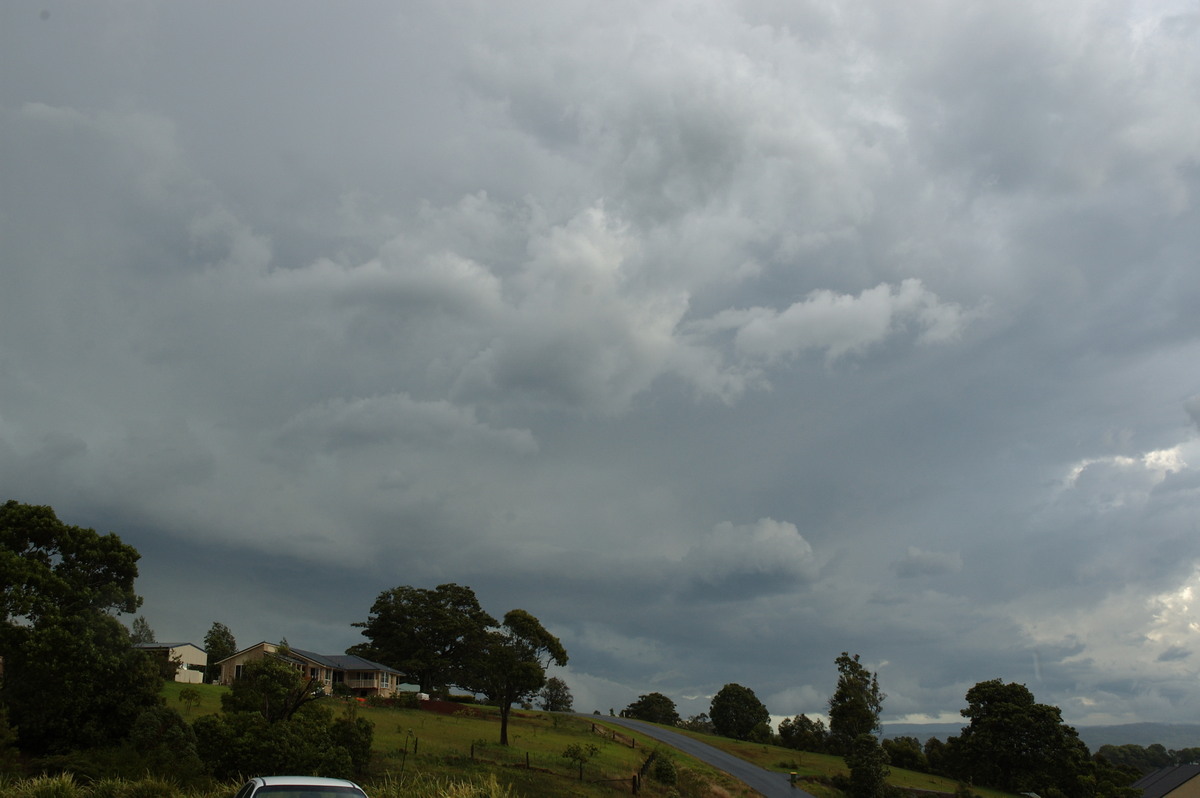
{"x":385,"y":680}
{"x":237,"y":671}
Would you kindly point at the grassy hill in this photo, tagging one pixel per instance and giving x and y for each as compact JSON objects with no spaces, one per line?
{"x":414,"y":749}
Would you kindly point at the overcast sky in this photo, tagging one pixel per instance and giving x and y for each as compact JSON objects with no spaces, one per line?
{"x":721,"y":336}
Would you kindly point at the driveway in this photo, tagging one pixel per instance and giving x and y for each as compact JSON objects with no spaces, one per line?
{"x":766,"y":782}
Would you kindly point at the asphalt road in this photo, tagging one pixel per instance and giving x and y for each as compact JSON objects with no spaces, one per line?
{"x":766,"y":782}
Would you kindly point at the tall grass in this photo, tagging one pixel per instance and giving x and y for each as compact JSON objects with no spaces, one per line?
{"x":416,"y":786}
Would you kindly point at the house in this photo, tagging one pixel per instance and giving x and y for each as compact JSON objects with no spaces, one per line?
{"x":361,"y":677}
{"x":190,"y":658}
{"x":1178,"y":781}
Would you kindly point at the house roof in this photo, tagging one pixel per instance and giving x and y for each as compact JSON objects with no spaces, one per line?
{"x":345,"y":662}
{"x":167,"y":645}
{"x":341,"y":662}
{"x":1161,"y":782}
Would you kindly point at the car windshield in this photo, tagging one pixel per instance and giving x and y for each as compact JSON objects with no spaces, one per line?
{"x":311,"y":791}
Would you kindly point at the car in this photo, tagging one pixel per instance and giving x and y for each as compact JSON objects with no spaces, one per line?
{"x":299,"y":787}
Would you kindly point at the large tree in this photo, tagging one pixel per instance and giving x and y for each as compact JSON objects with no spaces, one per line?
{"x":219,"y":644}
{"x":58,"y":585}
{"x":653,"y":708}
{"x":855,"y":704}
{"x":736,"y":712}
{"x":803,"y":733}
{"x":1015,"y":744}
{"x":428,"y":635}
{"x":510,"y":664}
{"x":48,"y":568}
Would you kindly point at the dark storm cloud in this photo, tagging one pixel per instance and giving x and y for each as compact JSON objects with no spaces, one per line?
{"x":724,"y":338}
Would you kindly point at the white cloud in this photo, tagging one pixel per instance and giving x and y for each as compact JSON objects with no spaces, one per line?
{"x":839,"y":324}
{"x":918,"y":562}
{"x":768,"y":554}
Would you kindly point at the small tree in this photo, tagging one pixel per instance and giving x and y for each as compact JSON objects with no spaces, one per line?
{"x":868,"y":765}
{"x":737,"y":712}
{"x":556,"y":696}
{"x":580,"y":754}
{"x":190,"y":698}
{"x":653,"y":708}
{"x":699,"y":723}
{"x":219,"y":644}
{"x":141,"y":633}
{"x":272,"y":687}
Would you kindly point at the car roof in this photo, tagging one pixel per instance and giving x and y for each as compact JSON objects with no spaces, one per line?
{"x":305,"y":781}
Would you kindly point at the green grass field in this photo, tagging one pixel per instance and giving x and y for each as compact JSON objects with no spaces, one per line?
{"x":416,"y":747}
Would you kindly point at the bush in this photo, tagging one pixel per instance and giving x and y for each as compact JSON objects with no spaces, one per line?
{"x":663,"y":770}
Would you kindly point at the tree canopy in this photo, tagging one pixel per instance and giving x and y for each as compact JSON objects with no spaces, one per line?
{"x":219,"y":644}
{"x":50,"y":568}
{"x":271,"y":686}
{"x":736,"y":712}
{"x":511,"y":663}
{"x":556,"y":696}
{"x":855,"y":704}
{"x":427,"y":635}
{"x":653,"y":708}
{"x":58,"y":585}
{"x":1015,"y":744}
{"x":803,"y":733}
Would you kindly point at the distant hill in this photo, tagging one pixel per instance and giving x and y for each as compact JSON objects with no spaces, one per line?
{"x":1172,"y":736}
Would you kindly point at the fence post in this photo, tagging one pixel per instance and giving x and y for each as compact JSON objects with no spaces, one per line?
{"x":635,"y":784}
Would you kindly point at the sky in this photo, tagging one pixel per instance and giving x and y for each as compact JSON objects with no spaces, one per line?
{"x":723,"y":337}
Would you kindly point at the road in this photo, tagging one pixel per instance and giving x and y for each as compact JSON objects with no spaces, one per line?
{"x":766,"y":782}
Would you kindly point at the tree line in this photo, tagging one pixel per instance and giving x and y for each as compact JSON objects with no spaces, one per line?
{"x":61,"y":587}
{"x":1010,"y":742}
{"x":77,"y":693}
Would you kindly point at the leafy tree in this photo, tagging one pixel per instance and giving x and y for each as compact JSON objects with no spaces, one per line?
{"x":803,"y":734}
{"x":736,"y":711}
{"x":190,"y":698}
{"x":935,"y":755}
{"x":580,"y":754}
{"x":1015,"y":744}
{"x":101,"y":683}
{"x":653,"y":708}
{"x":1146,"y":759}
{"x":556,"y":696}
{"x":141,"y":633}
{"x":235,"y":743}
{"x":698,"y":723}
{"x":906,"y":752}
{"x":355,"y":735}
{"x":510,"y":663}
{"x":219,"y":644}
{"x":58,"y":584}
{"x":166,"y":743}
{"x":428,"y":635}
{"x":868,"y":764}
{"x":855,"y":704}
{"x":48,"y":568}
{"x":8,"y":744}
{"x":272,"y":687}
